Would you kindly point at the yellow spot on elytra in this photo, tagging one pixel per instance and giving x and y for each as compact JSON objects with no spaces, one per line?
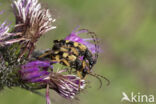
{"x":56,"y":52}
{"x":67,"y":41}
{"x":65,"y":55}
{"x":57,"y":58}
{"x":76,"y":44}
{"x":74,"y":51}
{"x":72,"y":58}
{"x":63,"y":49}
{"x":82,"y":47}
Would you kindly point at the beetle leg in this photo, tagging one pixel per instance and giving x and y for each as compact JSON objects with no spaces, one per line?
{"x":65,"y":62}
{"x":79,"y":74}
{"x":45,"y":54}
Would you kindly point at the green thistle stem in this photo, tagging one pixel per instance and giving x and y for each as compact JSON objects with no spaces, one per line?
{"x":9,"y":67}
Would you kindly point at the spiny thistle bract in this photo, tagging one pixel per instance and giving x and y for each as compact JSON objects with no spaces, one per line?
{"x":20,"y":65}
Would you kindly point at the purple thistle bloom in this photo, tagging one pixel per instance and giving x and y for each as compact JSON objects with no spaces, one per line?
{"x":41,"y":72}
{"x":35,"y":71}
{"x":73,"y":36}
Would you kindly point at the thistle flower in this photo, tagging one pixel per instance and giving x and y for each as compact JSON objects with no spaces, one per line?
{"x":41,"y":72}
{"x":73,"y":36}
{"x":31,"y":23}
{"x":36,"y":21}
{"x":35,"y":71}
{"x":66,"y":85}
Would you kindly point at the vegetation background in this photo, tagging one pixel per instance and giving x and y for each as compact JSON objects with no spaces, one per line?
{"x":127,"y":31}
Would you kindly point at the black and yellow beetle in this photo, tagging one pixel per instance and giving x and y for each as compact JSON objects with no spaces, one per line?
{"x":71,"y":54}
{"x":74,"y":55}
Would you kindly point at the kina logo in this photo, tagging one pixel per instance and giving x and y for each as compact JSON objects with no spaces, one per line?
{"x":137,"y":98}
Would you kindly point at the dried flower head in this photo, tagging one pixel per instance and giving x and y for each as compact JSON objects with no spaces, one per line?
{"x":31,"y":23}
{"x":66,"y":85}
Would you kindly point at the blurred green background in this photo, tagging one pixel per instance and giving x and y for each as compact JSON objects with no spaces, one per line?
{"x":127,"y":31}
